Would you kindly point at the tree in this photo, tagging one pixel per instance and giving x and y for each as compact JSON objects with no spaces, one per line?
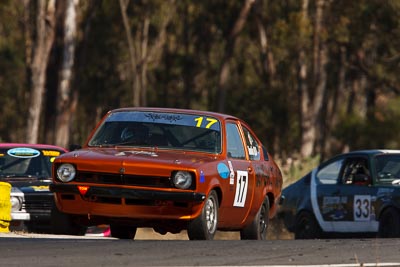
{"x":313,"y":77}
{"x":13,"y":81}
{"x":312,"y":90}
{"x":65,"y":105}
{"x":228,"y":54}
{"x":45,"y":31}
{"x":141,"y":51}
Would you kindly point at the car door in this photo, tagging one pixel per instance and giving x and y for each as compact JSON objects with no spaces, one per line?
{"x":264,"y":173}
{"x":339,"y":203}
{"x":355,"y":187}
{"x":236,"y":202}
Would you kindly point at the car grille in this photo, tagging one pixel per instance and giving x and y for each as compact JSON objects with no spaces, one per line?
{"x":35,"y":202}
{"x":119,"y":179}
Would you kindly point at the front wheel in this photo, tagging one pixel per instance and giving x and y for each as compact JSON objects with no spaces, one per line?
{"x":64,"y":224}
{"x":257,"y":230}
{"x":389,"y":224}
{"x":204,"y":227}
{"x":122,"y":231}
{"x":307,"y":226}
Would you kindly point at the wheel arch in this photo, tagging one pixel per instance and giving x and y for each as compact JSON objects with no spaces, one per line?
{"x":385,"y":208}
{"x":273,"y":207}
{"x":218,"y":190}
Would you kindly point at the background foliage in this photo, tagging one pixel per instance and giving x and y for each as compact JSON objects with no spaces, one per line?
{"x":349,"y":49}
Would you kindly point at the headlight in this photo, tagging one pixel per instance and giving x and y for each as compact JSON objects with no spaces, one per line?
{"x":66,"y":172}
{"x":182,"y":179}
{"x":16,"y":203}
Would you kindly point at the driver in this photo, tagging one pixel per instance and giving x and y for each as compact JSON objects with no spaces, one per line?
{"x":135,"y":134}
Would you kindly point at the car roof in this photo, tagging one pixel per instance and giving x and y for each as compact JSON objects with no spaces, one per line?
{"x":218,"y":115}
{"x":374,"y":151}
{"x":37,"y":146}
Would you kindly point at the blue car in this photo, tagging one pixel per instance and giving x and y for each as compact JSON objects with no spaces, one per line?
{"x":352,"y":194}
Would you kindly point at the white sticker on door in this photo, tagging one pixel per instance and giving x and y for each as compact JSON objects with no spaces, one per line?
{"x":242,"y":180}
{"x":362,"y":208}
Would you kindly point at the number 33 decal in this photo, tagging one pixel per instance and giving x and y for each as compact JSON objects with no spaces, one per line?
{"x":362,"y":208}
{"x":241,"y":188}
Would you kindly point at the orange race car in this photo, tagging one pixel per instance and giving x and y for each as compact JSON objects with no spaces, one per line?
{"x":172,"y":170}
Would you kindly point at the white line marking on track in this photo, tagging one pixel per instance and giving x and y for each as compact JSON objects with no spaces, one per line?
{"x":385,"y":264}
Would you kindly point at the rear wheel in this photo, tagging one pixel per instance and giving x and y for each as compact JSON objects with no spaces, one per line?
{"x":64,"y":224}
{"x":257,"y":230}
{"x":306,"y":226}
{"x":123,"y":231}
{"x":389,"y":223}
{"x":204,"y":227}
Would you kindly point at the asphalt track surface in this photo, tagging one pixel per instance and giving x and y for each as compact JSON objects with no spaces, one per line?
{"x":26,"y":249}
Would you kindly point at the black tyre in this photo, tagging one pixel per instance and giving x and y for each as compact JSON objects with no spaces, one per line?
{"x":38,"y":227}
{"x":307,"y":226}
{"x":123,"y":231}
{"x":64,"y":224}
{"x":257,"y":230}
{"x":204,"y":227}
{"x":389,"y":224}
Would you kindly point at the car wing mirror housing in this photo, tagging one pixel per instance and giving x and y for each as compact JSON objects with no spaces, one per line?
{"x":73,"y":147}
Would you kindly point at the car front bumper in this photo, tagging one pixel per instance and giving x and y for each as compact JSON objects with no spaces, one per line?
{"x":97,"y":191}
{"x":31,"y":206}
{"x":133,"y":203}
{"x":20,"y":216}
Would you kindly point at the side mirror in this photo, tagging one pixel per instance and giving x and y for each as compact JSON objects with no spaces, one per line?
{"x":73,"y":147}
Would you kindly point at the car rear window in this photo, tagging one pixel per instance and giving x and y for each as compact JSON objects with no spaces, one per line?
{"x":329,"y":173}
{"x":387,"y":168}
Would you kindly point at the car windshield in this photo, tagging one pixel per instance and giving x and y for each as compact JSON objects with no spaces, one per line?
{"x":22,"y":162}
{"x":159,"y":129}
{"x":388,"y":168}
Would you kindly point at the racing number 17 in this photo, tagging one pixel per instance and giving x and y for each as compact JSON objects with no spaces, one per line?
{"x":210,"y":121}
{"x":241,"y":189}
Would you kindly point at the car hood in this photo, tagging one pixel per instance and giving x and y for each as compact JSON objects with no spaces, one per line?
{"x":28,"y":185}
{"x":141,"y":160}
